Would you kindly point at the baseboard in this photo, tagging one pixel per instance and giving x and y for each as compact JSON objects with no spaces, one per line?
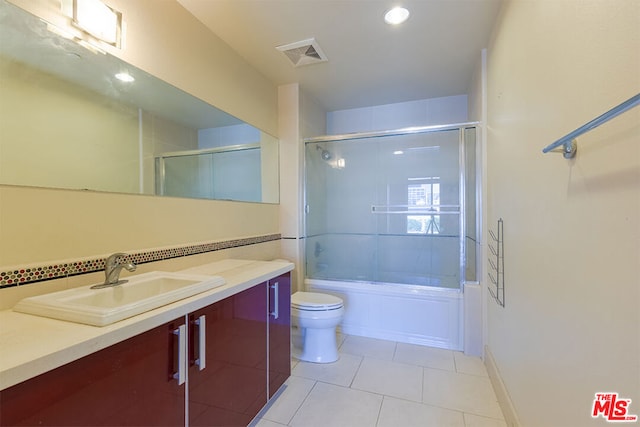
{"x":506,"y":405}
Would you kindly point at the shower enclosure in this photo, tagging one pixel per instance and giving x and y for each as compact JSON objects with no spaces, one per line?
{"x":393,"y":208}
{"x":232,"y":172}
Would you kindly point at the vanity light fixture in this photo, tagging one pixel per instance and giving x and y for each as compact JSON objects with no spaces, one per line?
{"x":398,"y":152}
{"x":125,"y":77}
{"x":396,"y":16}
{"x":98,"y":20}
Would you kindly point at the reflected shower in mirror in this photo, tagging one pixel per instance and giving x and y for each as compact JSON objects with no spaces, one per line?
{"x":67,"y":122}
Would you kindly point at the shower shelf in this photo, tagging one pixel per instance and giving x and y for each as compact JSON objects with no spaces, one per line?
{"x":496,"y":288}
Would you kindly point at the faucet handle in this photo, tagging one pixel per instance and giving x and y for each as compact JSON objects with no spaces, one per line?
{"x":115,"y":261}
{"x":112,"y":267}
{"x":113,"y":258}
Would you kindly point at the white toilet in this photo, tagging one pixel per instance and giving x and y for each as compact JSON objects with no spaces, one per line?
{"x":317,"y":315}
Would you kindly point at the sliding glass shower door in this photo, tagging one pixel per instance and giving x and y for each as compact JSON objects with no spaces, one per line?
{"x":390,"y":208}
{"x":227,"y":173}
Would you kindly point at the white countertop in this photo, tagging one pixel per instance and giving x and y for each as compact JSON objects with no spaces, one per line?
{"x":31,"y":345}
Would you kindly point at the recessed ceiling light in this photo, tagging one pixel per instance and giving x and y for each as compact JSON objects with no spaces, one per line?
{"x":125,"y":77}
{"x":396,"y":16}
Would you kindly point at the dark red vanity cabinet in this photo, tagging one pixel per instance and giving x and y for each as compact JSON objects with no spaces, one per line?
{"x":279,"y":331}
{"x":246,"y":351}
{"x":128,"y":384}
{"x":229,"y":389}
{"x":235,"y":353}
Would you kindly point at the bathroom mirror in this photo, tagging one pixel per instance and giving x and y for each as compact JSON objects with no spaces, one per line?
{"x":67,"y":122}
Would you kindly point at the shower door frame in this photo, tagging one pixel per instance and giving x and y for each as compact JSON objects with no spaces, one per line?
{"x":461,"y":128}
{"x":160,"y":160}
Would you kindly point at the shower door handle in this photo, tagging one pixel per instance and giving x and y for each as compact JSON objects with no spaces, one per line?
{"x":276,"y":308}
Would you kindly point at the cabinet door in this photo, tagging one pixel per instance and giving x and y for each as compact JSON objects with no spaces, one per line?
{"x":231,"y":389}
{"x":128,"y":384}
{"x":279,"y":331}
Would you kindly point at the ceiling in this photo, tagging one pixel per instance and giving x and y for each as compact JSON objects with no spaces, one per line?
{"x":433,"y":54}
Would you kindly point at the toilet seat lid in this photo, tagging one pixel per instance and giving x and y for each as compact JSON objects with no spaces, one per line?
{"x":314,"y":301}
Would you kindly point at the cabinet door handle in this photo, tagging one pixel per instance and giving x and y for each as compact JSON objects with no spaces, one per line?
{"x":276,"y":308}
{"x":201,"y":361}
{"x":181,"y":332}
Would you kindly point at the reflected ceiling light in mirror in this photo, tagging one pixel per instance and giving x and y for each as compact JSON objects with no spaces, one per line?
{"x":98,"y":20}
{"x":125,"y":77}
{"x":396,"y":16}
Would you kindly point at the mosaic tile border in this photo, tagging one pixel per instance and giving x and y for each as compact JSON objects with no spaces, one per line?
{"x":34,"y":274}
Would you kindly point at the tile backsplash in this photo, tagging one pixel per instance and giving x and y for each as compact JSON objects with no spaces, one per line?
{"x":55,"y":270}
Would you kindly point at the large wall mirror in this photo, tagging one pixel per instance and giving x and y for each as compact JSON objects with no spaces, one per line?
{"x":66,"y":121}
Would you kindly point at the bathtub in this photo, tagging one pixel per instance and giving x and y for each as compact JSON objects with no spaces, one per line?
{"x":404,"y":313}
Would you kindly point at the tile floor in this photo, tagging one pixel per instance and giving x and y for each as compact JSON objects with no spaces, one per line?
{"x":378,"y":383}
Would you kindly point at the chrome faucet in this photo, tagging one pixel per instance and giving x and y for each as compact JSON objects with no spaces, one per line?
{"x":112,"y":267}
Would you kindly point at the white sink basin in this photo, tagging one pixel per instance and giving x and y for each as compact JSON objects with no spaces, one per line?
{"x":100,"y":307}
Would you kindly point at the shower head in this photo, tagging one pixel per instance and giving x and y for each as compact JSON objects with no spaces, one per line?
{"x":324,"y":154}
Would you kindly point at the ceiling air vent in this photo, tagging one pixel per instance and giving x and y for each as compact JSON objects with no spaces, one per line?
{"x":305,"y":52}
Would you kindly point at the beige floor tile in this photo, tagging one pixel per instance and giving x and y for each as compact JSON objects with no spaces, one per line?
{"x":469,"y":364}
{"x":335,"y":406}
{"x":378,"y":383}
{"x":368,"y":347}
{"x":429,"y":357}
{"x":340,"y":372}
{"x":266,"y":423}
{"x":478,"y":421}
{"x":397,"y":412}
{"x":285,"y":406}
{"x":390,"y":378}
{"x":462,"y":392}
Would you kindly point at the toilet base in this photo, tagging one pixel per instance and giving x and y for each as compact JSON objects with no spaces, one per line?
{"x":318,"y":346}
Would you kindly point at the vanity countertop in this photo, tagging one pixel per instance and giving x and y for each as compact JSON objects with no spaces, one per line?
{"x":31,"y":345}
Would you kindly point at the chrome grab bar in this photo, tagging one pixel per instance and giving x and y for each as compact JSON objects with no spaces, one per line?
{"x":569,"y":145}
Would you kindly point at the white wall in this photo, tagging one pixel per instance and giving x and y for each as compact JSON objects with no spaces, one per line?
{"x":100,"y":151}
{"x":424,"y":112}
{"x":571,"y":324}
{"x":228,"y":135}
{"x":300,"y":116}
